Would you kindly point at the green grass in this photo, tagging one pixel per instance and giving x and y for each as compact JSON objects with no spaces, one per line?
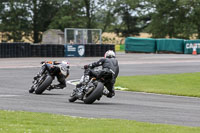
{"x":187,"y":84}
{"x":26,"y":122}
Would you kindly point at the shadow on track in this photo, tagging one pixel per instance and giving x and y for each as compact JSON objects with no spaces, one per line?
{"x":96,"y":103}
{"x":46,"y":94}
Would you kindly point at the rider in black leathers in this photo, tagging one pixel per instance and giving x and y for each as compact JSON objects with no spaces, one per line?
{"x":60,"y":70}
{"x":110,"y":68}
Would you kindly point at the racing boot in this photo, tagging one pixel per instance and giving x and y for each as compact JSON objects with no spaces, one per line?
{"x":37,"y":76}
{"x":59,"y":86}
{"x":111,"y":94}
{"x":105,"y":92}
{"x":51,"y":87}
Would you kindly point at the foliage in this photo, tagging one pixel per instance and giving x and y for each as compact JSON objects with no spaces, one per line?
{"x":65,"y":18}
{"x":14,"y":20}
{"x":171,"y":18}
{"x":161,"y":18}
{"x":125,"y":11}
{"x":41,"y":15}
{"x":193,"y":13}
{"x":22,"y":18}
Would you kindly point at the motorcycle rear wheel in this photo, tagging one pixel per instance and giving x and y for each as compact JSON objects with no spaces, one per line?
{"x":96,"y":94}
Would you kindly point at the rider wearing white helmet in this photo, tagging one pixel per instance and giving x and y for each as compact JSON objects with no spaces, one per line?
{"x":109,"y":67}
{"x":109,"y":54}
{"x":60,"y":70}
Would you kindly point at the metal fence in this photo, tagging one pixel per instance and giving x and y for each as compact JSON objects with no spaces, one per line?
{"x":82,"y":36}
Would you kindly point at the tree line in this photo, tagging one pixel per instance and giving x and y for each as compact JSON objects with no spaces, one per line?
{"x":161,"y":18}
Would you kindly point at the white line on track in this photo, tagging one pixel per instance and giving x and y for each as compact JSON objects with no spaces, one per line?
{"x":19,"y":66}
{"x":120,"y":62}
{"x":31,"y":66}
{"x":73,"y":82}
{"x":8,"y":95}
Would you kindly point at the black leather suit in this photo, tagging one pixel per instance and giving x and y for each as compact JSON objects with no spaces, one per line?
{"x":109,"y":67}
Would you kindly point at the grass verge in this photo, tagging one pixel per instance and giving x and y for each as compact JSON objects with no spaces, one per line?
{"x":26,"y":122}
{"x":187,"y":84}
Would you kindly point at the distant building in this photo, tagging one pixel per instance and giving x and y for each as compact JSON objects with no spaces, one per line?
{"x":53,"y":36}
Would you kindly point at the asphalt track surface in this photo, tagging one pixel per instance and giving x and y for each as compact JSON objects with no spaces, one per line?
{"x":16,"y":76}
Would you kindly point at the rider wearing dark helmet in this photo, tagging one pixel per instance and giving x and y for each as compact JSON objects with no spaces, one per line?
{"x":110,"y":68}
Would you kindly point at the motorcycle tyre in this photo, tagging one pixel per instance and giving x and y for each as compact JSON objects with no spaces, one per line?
{"x":72,"y":98}
{"x":44,"y":85}
{"x":96,"y":94}
{"x":31,"y":90}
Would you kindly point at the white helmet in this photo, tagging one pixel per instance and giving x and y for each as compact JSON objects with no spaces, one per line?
{"x":64,"y":67}
{"x":109,"y":54}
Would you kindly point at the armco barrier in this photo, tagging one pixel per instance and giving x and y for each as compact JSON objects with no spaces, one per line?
{"x":47,"y":50}
{"x":88,"y":52}
{"x":35,"y":51}
{"x":8,"y":50}
{"x":14,"y":50}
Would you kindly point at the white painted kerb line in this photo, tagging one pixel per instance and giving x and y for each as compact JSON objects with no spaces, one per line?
{"x":73,"y":82}
{"x":76,"y":81}
{"x":8,"y":95}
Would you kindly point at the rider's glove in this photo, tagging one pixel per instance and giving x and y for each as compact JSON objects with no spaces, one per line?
{"x":42,"y":62}
{"x":36,"y":77}
{"x":86,"y":66}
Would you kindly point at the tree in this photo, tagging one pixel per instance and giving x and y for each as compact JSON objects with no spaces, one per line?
{"x":86,"y":14}
{"x":169,"y":18}
{"x":105,"y":15}
{"x":42,"y":12}
{"x":14,"y":23}
{"x":27,"y":18}
{"x":70,"y":15}
{"x":129,"y":20}
{"x":193,"y":13}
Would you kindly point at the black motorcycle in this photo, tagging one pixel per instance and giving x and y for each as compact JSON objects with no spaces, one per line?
{"x":42,"y":82}
{"x":90,"y":88}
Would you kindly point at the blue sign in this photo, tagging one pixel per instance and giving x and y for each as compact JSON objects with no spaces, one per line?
{"x":74,"y":50}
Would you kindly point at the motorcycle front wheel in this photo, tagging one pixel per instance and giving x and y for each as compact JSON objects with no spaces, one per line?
{"x":45,"y":83}
{"x":73,"y":97}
